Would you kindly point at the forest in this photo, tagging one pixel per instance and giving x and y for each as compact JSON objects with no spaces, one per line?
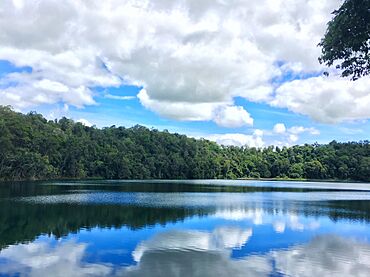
{"x":34,"y":148}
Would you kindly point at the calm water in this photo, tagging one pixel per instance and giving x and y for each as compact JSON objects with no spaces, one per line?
{"x":184,"y":228}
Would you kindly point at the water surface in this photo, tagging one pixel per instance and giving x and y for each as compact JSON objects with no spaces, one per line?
{"x":184,"y":228}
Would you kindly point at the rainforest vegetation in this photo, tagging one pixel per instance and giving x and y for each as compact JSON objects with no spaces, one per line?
{"x":32,"y":148}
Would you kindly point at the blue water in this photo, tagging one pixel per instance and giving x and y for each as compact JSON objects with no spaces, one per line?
{"x":184,"y":228}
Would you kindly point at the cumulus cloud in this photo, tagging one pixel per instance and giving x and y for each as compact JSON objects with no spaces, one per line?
{"x":296,"y":130}
{"x":280,"y":135}
{"x":236,"y":139}
{"x":279,"y":128}
{"x":288,"y":136}
{"x":30,"y":90}
{"x":191,"y":59}
{"x":223,"y":114}
{"x":328,"y":100}
{"x":179,"y":110}
{"x":292,"y":138}
{"x":233,"y":116}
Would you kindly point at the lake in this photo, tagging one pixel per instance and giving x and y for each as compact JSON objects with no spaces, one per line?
{"x":184,"y":228}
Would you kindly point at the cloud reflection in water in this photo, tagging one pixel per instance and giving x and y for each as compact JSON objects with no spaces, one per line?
{"x":193,"y":253}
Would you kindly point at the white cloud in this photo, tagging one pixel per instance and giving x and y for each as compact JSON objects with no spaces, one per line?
{"x":119,"y":97}
{"x":280,"y":135}
{"x":179,"y":110}
{"x":190,"y":58}
{"x":18,"y":4}
{"x":232,"y":117}
{"x":58,"y":112}
{"x":283,"y":136}
{"x":293,"y":138}
{"x":258,"y":133}
{"x":279,"y":128}
{"x":222,"y":113}
{"x":296,"y":130}
{"x":32,"y":90}
{"x":255,"y":140}
{"x":328,"y":100}
{"x":85,"y":122}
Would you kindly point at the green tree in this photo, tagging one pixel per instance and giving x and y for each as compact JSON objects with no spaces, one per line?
{"x":296,"y":171}
{"x":314,"y":170}
{"x":33,"y":148}
{"x":347,"y":39}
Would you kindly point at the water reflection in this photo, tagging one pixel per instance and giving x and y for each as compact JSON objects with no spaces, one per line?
{"x":23,"y":221}
{"x":193,"y":253}
{"x":182,"y":241}
{"x":94,"y":230}
{"x":280,"y":220}
{"x":49,"y":259}
{"x":325,"y":256}
{"x":20,"y":221}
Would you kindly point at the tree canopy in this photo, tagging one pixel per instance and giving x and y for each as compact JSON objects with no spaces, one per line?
{"x":33,"y":148}
{"x":347,"y":39}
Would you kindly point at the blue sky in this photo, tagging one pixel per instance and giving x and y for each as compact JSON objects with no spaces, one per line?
{"x":130,"y":112}
{"x":203,"y":70}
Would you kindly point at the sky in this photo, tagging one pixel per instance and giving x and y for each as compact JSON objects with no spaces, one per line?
{"x":238,"y":72}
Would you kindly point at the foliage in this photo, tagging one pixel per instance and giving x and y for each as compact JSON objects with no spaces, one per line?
{"x":33,"y":148}
{"x":347,"y":39}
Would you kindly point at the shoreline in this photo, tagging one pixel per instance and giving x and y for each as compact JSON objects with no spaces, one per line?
{"x":305,"y":180}
{"x":237,"y":179}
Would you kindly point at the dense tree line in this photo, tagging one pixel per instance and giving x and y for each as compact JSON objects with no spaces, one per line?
{"x":32,"y":147}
